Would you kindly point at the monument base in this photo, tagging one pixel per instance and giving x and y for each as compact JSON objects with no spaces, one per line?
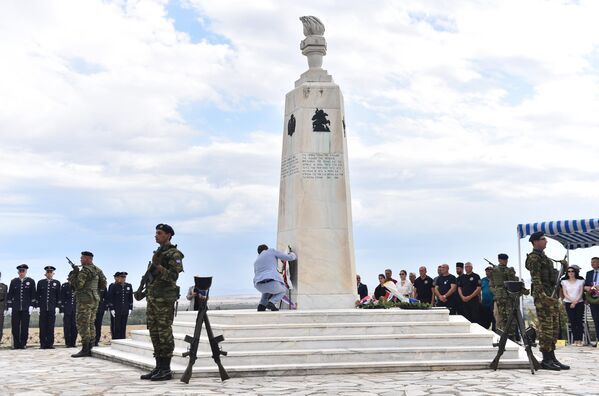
{"x":325,"y":301}
{"x":326,"y":342}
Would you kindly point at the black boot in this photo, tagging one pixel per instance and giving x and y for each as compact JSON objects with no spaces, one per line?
{"x":271,"y":306}
{"x":90,"y":347}
{"x":84,"y":352}
{"x":547,"y":363}
{"x":261,"y":308}
{"x":557,"y":363}
{"x":165,"y":373}
{"x":154,"y":370}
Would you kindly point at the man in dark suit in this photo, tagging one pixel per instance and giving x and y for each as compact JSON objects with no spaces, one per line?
{"x":362,"y":288}
{"x":120,"y":304}
{"x":591,"y":285}
{"x":48,"y":301}
{"x":102,"y":306}
{"x":67,"y":307}
{"x":21,"y":300}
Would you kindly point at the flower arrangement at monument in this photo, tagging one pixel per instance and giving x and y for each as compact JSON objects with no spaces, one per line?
{"x":392,"y":299}
{"x":383,"y":303}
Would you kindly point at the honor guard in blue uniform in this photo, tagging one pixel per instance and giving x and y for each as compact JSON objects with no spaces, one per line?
{"x":21,"y":300}
{"x":48,"y":302}
{"x":120,"y":304}
{"x":102,"y":306}
{"x":67,"y":307}
{"x":116,"y":275}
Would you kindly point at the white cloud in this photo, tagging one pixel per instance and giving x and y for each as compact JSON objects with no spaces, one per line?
{"x":459,"y":113}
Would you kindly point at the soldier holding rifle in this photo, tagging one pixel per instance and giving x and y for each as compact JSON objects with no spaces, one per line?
{"x":544,"y":278}
{"x":86,"y":284}
{"x":161,"y":294}
{"x":501,"y":274}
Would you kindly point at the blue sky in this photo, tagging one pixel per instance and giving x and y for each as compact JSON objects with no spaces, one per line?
{"x":462,"y":122}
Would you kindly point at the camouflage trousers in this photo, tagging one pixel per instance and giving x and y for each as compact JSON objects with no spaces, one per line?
{"x":502,"y":311}
{"x":548,"y":317}
{"x":86,"y":318}
{"x":160,"y":314}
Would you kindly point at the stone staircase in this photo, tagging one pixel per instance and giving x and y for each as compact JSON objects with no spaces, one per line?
{"x":326,"y":341}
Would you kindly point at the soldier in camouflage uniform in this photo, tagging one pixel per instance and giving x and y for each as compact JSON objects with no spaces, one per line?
{"x":503,"y":305}
{"x":544,"y":278}
{"x":86,"y":284}
{"x":162,"y":293}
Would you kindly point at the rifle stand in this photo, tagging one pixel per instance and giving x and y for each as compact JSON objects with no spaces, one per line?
{"x":527,"y":339}
{"x":202,"y":287}
{"x":587,"y":332}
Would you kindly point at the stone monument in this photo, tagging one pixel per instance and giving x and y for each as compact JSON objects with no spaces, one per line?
{"x":314,"y":200}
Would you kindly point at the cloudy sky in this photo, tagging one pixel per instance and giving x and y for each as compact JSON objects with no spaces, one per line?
{"x":464,"y":119}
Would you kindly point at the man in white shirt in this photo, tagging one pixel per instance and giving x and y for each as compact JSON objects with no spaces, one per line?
{"x":267,"y":279}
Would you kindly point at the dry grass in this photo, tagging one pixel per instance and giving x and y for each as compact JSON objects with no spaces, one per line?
{"x":59,"y":336}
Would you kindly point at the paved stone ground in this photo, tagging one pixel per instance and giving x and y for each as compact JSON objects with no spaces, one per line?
{"x":53,"y":372}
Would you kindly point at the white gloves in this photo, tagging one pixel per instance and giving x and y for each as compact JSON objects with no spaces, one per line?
{"x":7,"y":311}
{"x":56,"y":310}
{"x":112,"y":313}
{"x":30,"y":310}
{"x":130,"y":312}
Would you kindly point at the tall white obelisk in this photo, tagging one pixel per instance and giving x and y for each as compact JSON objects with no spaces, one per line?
{"x":314,"y":200}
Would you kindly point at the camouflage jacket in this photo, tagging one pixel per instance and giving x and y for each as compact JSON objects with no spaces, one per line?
{"x":3,"y":296}
{"x":543,"y":275}
{"x":164,"y":284}
{"x":501,"y":273}
{"x":87,"y":283}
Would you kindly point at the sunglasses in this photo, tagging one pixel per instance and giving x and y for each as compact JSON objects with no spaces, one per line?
{"x":21,"y":270}
{"x":571,"y":271}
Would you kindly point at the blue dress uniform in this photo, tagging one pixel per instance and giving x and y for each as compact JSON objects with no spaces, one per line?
{"x":67,"y":307}
{"x":48,"y":299}
{"x":100,"y":315}
{"x":120,"y":299}
{"x":21,"y":296}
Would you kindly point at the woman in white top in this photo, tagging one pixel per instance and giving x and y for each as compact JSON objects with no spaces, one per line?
{"x":572,"y":289}
{"x":404,"y":286}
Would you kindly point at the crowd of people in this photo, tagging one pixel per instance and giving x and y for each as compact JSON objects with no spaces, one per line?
{"x":85,"y":297}
{"x":484,"y":300}
{"x":49,"y":298}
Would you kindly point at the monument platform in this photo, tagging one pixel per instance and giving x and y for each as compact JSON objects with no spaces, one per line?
{"x":326,"y":342}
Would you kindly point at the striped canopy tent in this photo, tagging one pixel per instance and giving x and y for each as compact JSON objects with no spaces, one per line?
{"x":572,"y":234}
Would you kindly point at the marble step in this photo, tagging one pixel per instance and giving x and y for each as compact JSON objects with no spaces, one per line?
{"x":329,"y":355}
{"x":239,"y":317}
{"x":145,"y":363}
{"x":454,"y":326}
{"x":335,"y":341}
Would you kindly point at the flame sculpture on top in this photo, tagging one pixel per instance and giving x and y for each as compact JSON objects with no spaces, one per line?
{"x":314,"y":46}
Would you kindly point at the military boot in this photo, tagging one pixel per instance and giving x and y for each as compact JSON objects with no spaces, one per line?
{"x":154,"y":370}
{"x":271,"y":306}
{"x":90,"y":345}
{"x":84,"y":352}
{"x":547,"y":363}
{"x":557,"y":363}
{"x":165,"y":373}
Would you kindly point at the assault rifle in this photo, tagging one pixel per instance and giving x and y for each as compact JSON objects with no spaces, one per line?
{"x":202,"y":287}
{"x":494,"y":265}
{"x":146,"y":279}
{"x":563,"y":266}
{"x":73,"y":265}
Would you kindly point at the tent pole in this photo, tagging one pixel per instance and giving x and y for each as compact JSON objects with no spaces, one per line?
{"x":520,"y":274}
